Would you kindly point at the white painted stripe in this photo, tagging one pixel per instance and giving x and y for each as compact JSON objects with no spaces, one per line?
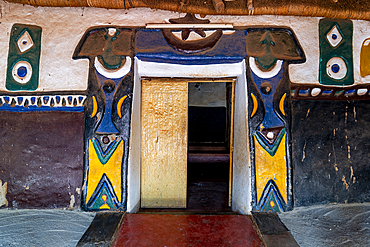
{"x":152,"y":69}
{"x":179,"y":26}
{"x":262,"y":74}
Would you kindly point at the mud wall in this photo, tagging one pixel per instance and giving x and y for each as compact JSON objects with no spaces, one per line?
{"x":330,"y":151}
{"x":66,"y":93}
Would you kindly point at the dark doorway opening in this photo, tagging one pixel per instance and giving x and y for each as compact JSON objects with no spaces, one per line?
{"x":209,"y":122}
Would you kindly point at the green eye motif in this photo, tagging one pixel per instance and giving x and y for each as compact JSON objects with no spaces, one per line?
{"x":23,"y":58}
{"x":336,"y":61}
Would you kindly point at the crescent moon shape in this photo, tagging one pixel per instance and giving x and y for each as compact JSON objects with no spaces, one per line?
{"x":255,"y":105}
{"x":113,"y":74}
{"x":191,"y":46}
{"x":95,"y":107}
{"x":119,"y":105}
{"x":281,"y":104}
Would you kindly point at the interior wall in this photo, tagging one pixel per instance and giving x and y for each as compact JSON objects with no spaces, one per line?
{"x":207,"y":113}
{"x":207,"y":125}
{"x":207,"y":94}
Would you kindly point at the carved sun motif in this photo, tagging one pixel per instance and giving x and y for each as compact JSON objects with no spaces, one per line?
{"x":190,"y":19}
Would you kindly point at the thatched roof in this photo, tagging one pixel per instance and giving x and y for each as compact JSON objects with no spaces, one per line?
{"x":342,"y":9}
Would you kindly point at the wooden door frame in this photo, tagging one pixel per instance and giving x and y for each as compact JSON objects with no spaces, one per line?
{"x":231,"y":80}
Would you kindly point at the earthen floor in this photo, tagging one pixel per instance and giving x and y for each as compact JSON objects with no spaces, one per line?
{"x":42,"y":228}
{"x":324,"y":225}
{"x":186,"y":230}
{"x":330,"y":225}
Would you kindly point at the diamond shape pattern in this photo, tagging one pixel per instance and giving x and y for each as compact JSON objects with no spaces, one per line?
{"x":25,"y":42}
{"x":334,"y":37}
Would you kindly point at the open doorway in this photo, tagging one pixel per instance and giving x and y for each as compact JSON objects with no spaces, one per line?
{"x":209,"y":144}
{"x":186,"y":147}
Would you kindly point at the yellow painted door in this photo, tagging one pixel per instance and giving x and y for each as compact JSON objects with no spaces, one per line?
{"x":164,"y":120}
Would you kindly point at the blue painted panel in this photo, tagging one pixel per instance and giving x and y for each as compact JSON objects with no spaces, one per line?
{"x":7,"y":107}
{"x":106,"y":125}
{"x":152,"y":47}
{"x":270,"y":120}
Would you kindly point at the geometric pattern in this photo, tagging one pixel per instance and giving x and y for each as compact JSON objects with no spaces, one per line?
{"x":42,"y":102}
{"x":336,"y":52}
{"x":270,"y":121}
{"x":23,"y":58}
{"x":25,"y":42}
{"x":312,"y":92}
{"x":271,"y":167}
{"x":103,"y":200}
{"x":270,"y":148}
{"x":334,"y":37}
{"x":104,"y":175}
{"x":107,"y":120}
{"x":271,"y":202}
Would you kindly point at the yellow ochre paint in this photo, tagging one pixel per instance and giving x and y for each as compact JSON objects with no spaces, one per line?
{"x":271,"y":168}
{"x":119,"y":105}
{"x":112,"y":169}
{"x":95,"y":107}
{"x":281,"y":104}
{"x":365,"y":58}
{"x":255,"y":105}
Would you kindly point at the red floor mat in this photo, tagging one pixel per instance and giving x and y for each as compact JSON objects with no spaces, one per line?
{"x":186,"y":230}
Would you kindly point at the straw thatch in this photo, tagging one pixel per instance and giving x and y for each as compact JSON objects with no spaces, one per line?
{"x":342,"y":9}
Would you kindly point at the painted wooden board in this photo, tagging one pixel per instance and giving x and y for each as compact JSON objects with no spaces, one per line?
{"x":164,"y":119}
{"x":273,"y":231}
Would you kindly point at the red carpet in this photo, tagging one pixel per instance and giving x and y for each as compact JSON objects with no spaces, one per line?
{"x":186,"y":230}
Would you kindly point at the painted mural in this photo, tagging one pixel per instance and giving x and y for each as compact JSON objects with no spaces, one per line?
{"x":330,"y":164}
{"x":270,"y":51}
{"x":336,"y":56}
{"x":41,"y":131}
{"x":107,"y":115}
{"x":99,"y":118}
{"x":24,"y":58}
